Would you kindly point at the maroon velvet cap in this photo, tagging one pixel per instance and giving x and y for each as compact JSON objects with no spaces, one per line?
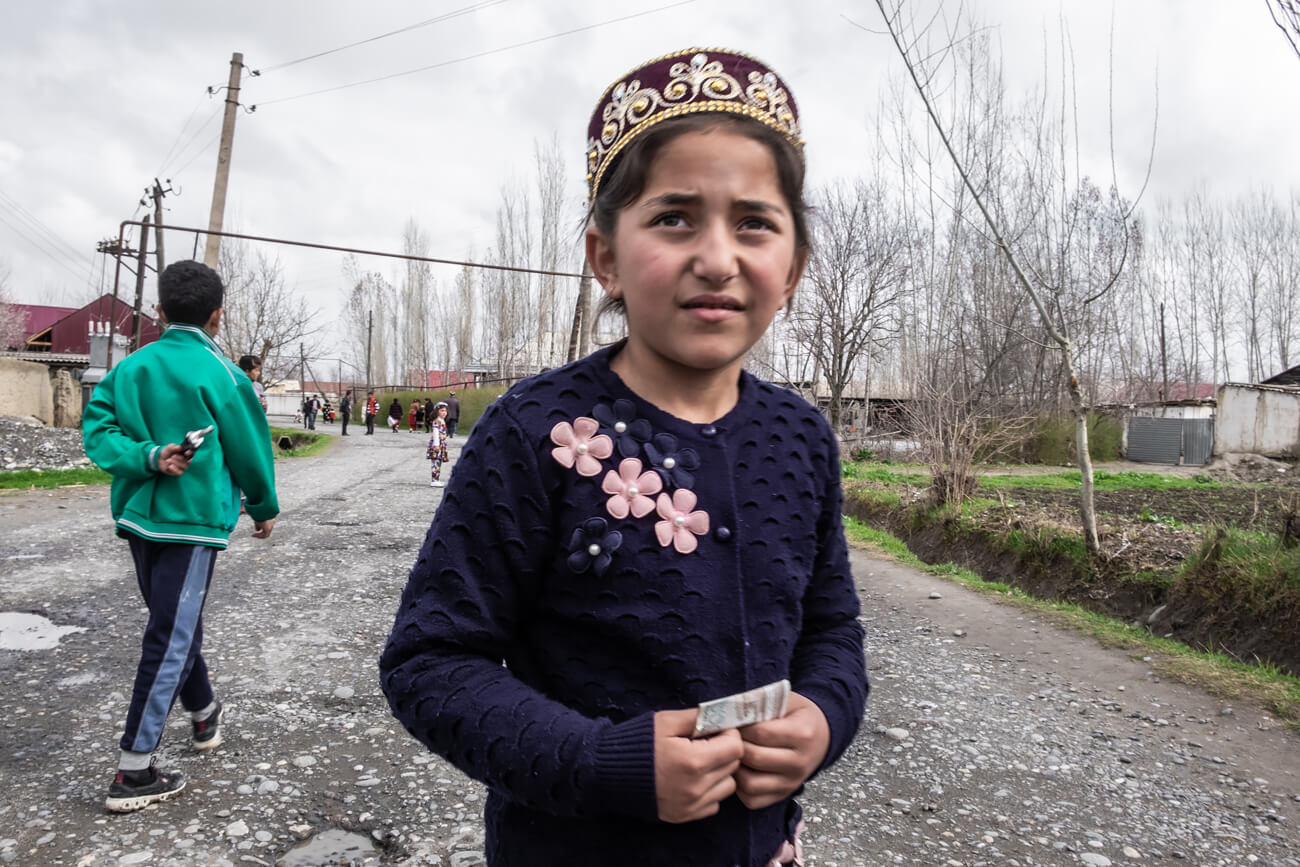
{"x":686,"y":82}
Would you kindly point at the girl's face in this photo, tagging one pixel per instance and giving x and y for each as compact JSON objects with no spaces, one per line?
{"x":705,"y":257}
{"x":442,"y":412}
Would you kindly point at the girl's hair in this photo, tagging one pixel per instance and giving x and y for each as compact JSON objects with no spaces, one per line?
{"x":626,"y":177}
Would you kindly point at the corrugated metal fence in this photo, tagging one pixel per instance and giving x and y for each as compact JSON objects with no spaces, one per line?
{"x":1171,"y":440}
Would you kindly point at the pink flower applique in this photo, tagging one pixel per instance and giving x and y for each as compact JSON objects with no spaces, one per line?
{"x":680,"y":525}
{"x":579,"y":445}
{"x":630,"y":490}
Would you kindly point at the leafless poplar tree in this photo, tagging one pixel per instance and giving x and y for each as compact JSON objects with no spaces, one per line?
{"x":1032,"y":224}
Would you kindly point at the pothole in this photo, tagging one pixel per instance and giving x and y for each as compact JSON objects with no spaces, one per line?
{"x":20,"y":630}
{"x":332,"y":846}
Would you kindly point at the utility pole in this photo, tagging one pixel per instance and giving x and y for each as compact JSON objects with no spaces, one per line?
{"x":370,"y":333}
{"x":157,"y":192}
{"x":212,"y":251}
{"x":139,"y":284}
{"x":302,"y":371}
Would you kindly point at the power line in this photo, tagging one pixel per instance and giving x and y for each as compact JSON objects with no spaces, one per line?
{"x":27,"y":216}
{"x":178,"y":152}
{"x":161,"y":166}
{"x":444,"y":17}
{"x":54,"y":256}
{"x":487,"y":53}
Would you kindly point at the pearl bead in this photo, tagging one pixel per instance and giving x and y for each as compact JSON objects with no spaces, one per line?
{"x":580,"y":448}
{"x":620,"y":426}
{"x":679,"y":520}
{"x":669,"y":463}
{"x":593,"y":549}
{"x":632,"y":491}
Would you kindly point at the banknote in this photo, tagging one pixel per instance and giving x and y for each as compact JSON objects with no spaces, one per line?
{"x":742,"y":709}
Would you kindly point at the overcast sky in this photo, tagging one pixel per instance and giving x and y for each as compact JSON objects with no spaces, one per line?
{"x":99,"y":98}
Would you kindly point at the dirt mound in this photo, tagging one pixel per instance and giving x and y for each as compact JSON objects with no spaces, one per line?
{"x":27,"y":444}
{"x":1244,"y":467}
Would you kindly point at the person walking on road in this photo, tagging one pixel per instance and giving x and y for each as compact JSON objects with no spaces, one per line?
{"x":542,"y":644}
{"x":395,"y":414}
{"x":175,"y":499}
{"x":413,"y":416}
{"x":372,"y":410}
{"x":453,"y":413}
{"x":428,"y":415}
{"x":345,"y":410}
{"x":437,"y":450}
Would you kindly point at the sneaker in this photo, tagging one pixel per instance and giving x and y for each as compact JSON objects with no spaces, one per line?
{"x":440,"y":484}
{"x":207,"y":732}
{"x":135,"y":790}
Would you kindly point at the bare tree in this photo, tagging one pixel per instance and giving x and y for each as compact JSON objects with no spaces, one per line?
{"x":1286,"y":15}
{"x":462,"y":313}
{"x":1033,"y":224}
{"x":11,"y":318}
{"x":414,"y":307}
{"x":263,"y":316}
{"x":849,"y":302}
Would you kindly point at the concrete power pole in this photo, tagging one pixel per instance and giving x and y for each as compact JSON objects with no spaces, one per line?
{"x":212,"y":251}
{"x":370,"y":333}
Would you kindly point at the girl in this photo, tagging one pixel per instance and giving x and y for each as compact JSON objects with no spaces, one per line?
{"x":437,"y":450}
{"x":650,"y":527}
{"x":395,"y":414}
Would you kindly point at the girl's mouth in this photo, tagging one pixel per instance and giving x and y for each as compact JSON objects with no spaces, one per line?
{"x":713,"y":302}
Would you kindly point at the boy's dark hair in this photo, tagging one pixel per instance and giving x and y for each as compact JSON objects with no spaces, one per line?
{"x":248,"y":362}
{"x":189,"y":291}
{"x":625,"y":179}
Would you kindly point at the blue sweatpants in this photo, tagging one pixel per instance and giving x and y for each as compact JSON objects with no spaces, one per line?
{"x":174,"y":582}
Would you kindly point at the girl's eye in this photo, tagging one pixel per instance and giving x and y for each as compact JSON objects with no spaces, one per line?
{"x":671,"y":219}
{"x":752,"y":223}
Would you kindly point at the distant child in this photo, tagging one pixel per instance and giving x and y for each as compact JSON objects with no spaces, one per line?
{"x":176,"y":507}
{"x":395,"y":414}
{"x":437,"y":450}
{"x":650,"y":527}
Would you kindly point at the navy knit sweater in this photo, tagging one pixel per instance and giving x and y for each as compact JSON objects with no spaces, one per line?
{"x":619,"y":560}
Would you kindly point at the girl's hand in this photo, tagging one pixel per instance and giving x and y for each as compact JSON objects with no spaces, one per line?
{"x":781,"y":754}
{"x":692,"y":776}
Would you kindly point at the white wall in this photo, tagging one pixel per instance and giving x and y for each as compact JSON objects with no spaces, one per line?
{"x":1258,"y":419}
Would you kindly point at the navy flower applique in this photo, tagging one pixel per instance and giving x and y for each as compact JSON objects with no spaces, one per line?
{"x":675,"y":466}
{"x":592,"y":546}
{"x":620,"y":424}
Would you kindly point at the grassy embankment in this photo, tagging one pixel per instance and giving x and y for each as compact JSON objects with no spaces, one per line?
{"x":1243,"y":570}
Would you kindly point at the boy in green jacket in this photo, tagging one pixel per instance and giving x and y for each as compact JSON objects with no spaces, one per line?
{"x":176,"y":505}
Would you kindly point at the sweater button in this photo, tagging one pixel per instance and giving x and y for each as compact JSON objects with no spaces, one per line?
{"x":722,"y":534}
{"x":709,"y":430}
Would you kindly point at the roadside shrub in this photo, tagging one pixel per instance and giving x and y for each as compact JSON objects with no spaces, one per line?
{"x":1053,"y":441}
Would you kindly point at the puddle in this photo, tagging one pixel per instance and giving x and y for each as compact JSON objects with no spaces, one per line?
{"x":22,"y":631}
{"x":328,"y":848}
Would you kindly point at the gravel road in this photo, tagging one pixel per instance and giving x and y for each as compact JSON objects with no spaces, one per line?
{"x":990,"y":739}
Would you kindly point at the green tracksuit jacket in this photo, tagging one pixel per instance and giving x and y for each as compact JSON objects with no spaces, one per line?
{"x":177,"y":384}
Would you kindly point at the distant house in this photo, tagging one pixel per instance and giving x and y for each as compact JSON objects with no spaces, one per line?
{"x":66,"y":330}
{"x":36,"y":318}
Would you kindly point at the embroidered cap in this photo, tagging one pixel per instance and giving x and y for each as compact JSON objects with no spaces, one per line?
{"x":686,"y":82}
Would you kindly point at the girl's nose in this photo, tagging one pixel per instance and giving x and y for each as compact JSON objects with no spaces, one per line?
{"x":715,"y":258}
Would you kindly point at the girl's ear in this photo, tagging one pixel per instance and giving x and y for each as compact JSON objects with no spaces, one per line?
{"x":600,"y":255}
